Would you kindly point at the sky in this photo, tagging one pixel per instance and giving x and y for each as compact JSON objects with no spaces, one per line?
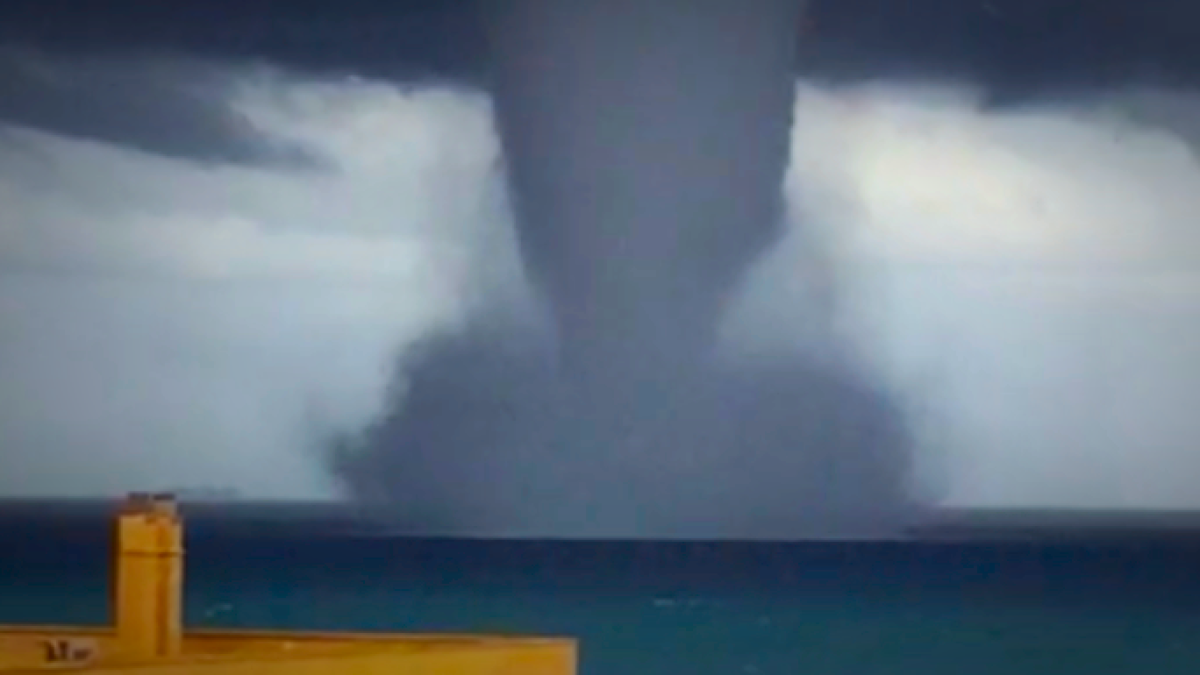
{"x":211,"y":259}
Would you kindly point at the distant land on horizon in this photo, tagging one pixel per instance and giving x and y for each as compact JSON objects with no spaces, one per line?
{"x":330,"y":517}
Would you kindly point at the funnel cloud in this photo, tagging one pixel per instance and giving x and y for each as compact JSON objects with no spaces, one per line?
{"x":646,"y":145}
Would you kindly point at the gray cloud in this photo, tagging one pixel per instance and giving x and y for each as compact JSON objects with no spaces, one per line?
{"x":1028,"y":275}
{"x":170,"y":106}
{"x":167,"y":323}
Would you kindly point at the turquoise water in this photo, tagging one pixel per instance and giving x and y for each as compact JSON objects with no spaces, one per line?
{"x":982,"y":611}
{"x":699,"y":634}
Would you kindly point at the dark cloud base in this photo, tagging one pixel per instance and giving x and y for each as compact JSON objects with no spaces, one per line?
{"x":1010,"y":43}
{"x":169,"y":106}
{"x":488,"y":438}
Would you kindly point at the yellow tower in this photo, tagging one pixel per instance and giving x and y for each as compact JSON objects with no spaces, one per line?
{"x":148,"y":589}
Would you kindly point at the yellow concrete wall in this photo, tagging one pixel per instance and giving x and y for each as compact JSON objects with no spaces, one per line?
{"x":27,"y":647}
{"x":374,"y":660}
{"x":27,"y":650}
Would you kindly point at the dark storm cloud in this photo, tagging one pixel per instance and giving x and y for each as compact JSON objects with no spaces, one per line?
{"x":1017,"y":48}
{"x":101,"y":90}
{"x":171,"y":107}
{"x":156,"y":77}
{"x":378,"y":38}
{"x":484,"y":432}
{"x":1014,"y":44}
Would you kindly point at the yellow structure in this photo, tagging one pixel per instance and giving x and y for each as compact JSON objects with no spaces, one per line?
{"x":147,"y":635}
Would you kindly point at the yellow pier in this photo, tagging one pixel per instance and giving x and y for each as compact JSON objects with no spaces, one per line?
{"x":147,"y":635}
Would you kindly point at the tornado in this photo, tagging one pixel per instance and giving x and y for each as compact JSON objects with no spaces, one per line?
{"x":645,"y":144}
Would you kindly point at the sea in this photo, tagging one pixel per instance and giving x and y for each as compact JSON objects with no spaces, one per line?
{"x":1087,"y":602}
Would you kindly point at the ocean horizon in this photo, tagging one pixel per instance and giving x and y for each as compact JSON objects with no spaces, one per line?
{"x":1066,"y":600}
